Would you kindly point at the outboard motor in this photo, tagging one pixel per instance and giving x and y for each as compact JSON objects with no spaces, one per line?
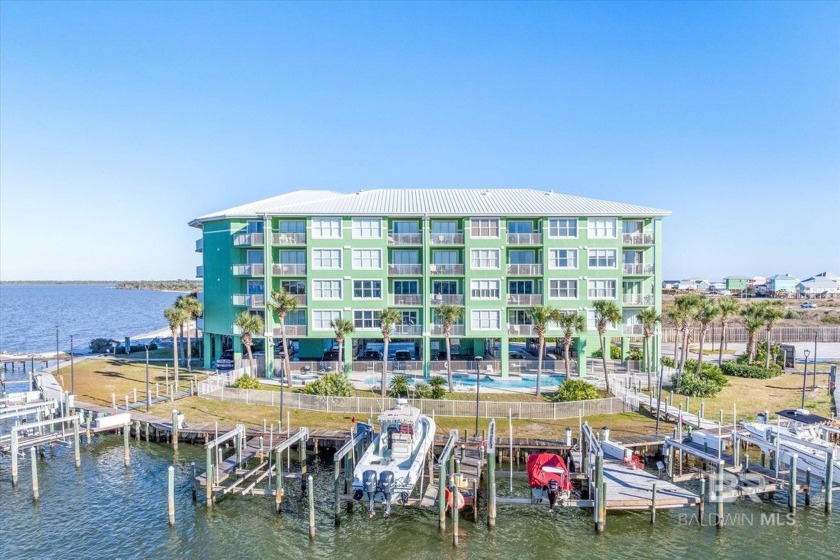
{"x":369,"y":485}
{"x":552,"y":494}
{"x":386,"y":486}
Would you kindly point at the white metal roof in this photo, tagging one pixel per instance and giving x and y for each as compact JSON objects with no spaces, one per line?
{"x":432,"y":202}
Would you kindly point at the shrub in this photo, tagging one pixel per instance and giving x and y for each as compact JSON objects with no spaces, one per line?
{"x":247,"y":382}
{"x":776,"y":355}
{"x":635,"y":354}
{"x":751,"y":372}
{"x":615,"y":353}
{"x":101,"y":346}
{"x":422,"y":391}
{"x":708,"y":384}
{"x":399,"y":386}
{"x":667,"y":361}
{"x":574,"y":390}
{"x":331,"y":385}
{"x":437,"y":387}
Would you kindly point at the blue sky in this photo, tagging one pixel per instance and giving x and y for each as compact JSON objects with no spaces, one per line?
{"x":119,"y":122}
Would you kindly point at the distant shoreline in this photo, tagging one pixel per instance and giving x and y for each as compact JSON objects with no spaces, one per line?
{"x":179,"y":286}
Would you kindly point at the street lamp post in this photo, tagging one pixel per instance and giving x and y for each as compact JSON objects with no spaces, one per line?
{"x":72,"y":374}
{"x":814,"y":377}
{"x":148,"y":394}
{"x":805,"y":377}
{"x":477,"y":390}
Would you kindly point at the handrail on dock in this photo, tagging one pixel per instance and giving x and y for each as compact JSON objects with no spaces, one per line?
{"x":447,"y":449}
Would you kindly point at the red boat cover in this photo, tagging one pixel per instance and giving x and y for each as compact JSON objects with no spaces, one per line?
{"x":538,"y":476}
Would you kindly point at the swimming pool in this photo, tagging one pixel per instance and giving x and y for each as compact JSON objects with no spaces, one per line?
{"x":466,"y":381}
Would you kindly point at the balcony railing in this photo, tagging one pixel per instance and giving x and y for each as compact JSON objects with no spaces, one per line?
{"x":405,"y":269}
{"x":199,"y":272}
{"x":638,"y":269}
{"x":199,"y":245}
{"x":446,"y":239}
{"x":521,"y":330}
{"x":524,"y":269}
{"x":248,"y":269}
{"x":446,"y":269}
{"x":454,"y":330}
{"x":288,"y":239}
{"x":288,"y":270}
{"x":406,"y":299}
{"x":291,"y":330}
{"x":525,"y":299}
{"x":248,"y":239}
{"x":524,"y":239}
{"x":301,"y":298}
{"x":405,"y":239}
{"x":633,"y":330}
{"x":637,"y":238}
{"x":448,"y":299}
{"x":637,"y":299}
{"x":407,"y":330}
{"x":249,"y":300}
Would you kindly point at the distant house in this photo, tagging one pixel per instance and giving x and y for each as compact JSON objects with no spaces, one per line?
{"x":817,"y":286}
{"x":693,"y":285}
{"x":670,"y":284}
{"x":737,"y":283}
{"x":756,"y":281}
{"x":833,"y":277}
{"x":782,"y":285}
{"x":717,"y":287}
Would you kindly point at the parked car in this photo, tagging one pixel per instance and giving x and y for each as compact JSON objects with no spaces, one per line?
{"x":330,"y":356}
{"x":514,"y":355}
{"x":808,"y":305}
{"x":225,"y":361}
{"x":372,"y":355}
{"x":402,"y":355}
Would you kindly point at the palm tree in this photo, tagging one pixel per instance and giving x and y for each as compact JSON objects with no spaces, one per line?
{"x":540,"y":318}
{"x":449,"y":315}
{"x":772,"y":312}
{"x":753,"y":321}
{"x":283,"y":302}
{"x":606,"y":312}
{"x":676,"y":315}
{"x":175,"y":317}
{"x":648,"y":318}
{"x":570,"y":323}
{"x":341,"y":327}
{"x":707,"y":312}
{"x":250,"y":325}
{"x":687,"y":304}
{"x":388,"y":319}
{"x":194,"y":309}
{"x":728,"y":306}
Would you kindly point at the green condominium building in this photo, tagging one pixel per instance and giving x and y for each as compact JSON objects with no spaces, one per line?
{"x":497,"y":252}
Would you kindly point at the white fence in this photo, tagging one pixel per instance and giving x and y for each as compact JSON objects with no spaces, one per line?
{"x":738,"y":334}
{"x":217,"y":382}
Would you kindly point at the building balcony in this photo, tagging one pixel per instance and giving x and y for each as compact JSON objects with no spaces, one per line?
{"x":524,"y":269}
{"x":301,"y":298}
{"x":286,"y":239}
{"x":525,"y":299}
{"x":248,"y":300}
{"x":405,"y":269}
{"x":446,"y":239}
{"x":199,"y":272}
{"x":524,"y":239}
{"x":291,"y":330}
{"x":248,"y":269}
{"x":407,"y":330}
{"x":633,"y":330}
{"x":637,"y":299}
{"x":405,"y":239}
{"x":288,"y":270}
{"x":406,"y":299}
{"x":521,"y":330}
{"x":640,"y":238}
{"x":446,"y":269}
{"x":637,"y":269}
{"x":454,"y":330}
{"x":248,"y":240}
{"x":199,"y":245}
{"x":448,"y":299}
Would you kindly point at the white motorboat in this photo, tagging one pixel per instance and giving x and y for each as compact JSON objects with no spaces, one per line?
{"x":393,"y":462}
{"x":800,"y":439}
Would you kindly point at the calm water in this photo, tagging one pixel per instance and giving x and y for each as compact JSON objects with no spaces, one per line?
{"x":29,"y":315}
{"x":106,"y":511}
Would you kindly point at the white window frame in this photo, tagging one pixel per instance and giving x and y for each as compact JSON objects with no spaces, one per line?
{"x":319,"y":255}
{"x":367,"y":228}
{"x":483,"y":224}
{"x":592,"y":285}
{"x":596,"y":254}
{"x":554,"y":228}
{"x":554,"y":257}
{"x":477,"y":319}
{"x":592,"y":324}
{"x":486,"y":285}
{"x":371,"y":289}
{"x":552,"y":287}
{"x":477,"y":256}
{"x":600,"y":228}
{"x":319,"y":316}
{"x":332,"y":287}
{"x":326,"y":228}
{"x":363,"y":257}
{"x":374,"y":319}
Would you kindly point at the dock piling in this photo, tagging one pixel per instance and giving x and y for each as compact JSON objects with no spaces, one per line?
{"x":829,"y":479}
{"x":171,"y":495}
{"x":653,"y":504}
{"x":808,"y":487}
{"x":126,"y":456}
{"x":208,"y":478}
{"x":475,"y":501}
{"x":174,"y":429}
{"x":792,"y":481}
{"x":701,"y":507}
{"x":278,"y":486}
{"x":441,"y":496}
{"x":311,"y":505}
{"x":77,"y":456}
{"x":33,"y":455}
{"x":194,"y":488}
{"x":719,"y":495}
{"x":455,"y":497}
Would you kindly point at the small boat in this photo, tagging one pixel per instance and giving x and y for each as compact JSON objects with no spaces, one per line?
{"x":549,"y":477}
{"x":393,"y":462}
{"x":795,"y":438}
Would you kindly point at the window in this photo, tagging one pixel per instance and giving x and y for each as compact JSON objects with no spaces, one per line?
{"x":562,"y":258}
{"x":484,"y":289}
{"x":519,"y":317}
{"x":592,"y":323}
{"x":367,"y":289}
{"x":367,"y":228}
{"x":406,"y":227}
{"x":559,"y":228}
{"x":254,"y":227}
{"x":633,"y":226}
{"x":367,"y":259}
{"x":321,"y":319}
{"x":445,"y":257}
{"x":326,"y":228}
{"x":518,"y":256}
{"x":366,"y":319}
{"x":484,"y":258}
{"x":445,"y":287}
{"x":292,"y":226}
{"x":409,"y":318}
{"x":520,"y":227}
{"x":326,"y":258}
{"x":444,"y":227}
{"x":294,"y":287}
{"x":296,"y":318}
{"x":256,"y":287}
{"x":326,"y":289}
{"x":254,"y":256}
{"x":405,"y":257}
{"x":406,"y":287}
{"x":602,"y":289}
{"x":601,"y":258}
{"x":484,"y":227}
{"x":601,"y":227}
{"x":484,"y":319}
{"x":563,"y":289}
{"x":292,"y":257}
{"x":521,"y":287}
